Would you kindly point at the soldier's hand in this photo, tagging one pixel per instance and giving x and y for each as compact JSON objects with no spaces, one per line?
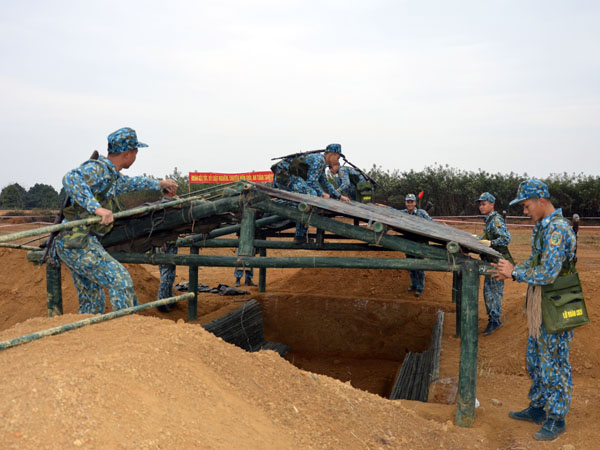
{"x":486,"y":242}
{"x":106,"y":215}
{"x":344,"y":198}
{"x":326,"y":195}
{"x":503,"y":270}
{"x":170,"y":186}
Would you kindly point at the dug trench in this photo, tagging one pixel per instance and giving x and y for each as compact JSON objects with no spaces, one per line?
{"x":360,"y":341}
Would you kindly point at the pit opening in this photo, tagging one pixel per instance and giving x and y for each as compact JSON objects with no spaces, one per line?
{"x":361,"y":341}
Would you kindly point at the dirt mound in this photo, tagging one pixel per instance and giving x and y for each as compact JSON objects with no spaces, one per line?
{"x":146,"y":382}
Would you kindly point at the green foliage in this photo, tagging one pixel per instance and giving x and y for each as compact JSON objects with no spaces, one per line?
{"x":13,"y":196}
{"x":41,"y":196}
{"x":453,"y":191}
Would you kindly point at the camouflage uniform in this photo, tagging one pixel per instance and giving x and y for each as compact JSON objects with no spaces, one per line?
{"x":315,"y":184}
{"x":417,"y":277}
{"x":345,"y":186}
{"x":238,"y":272}
{"x":167,"y":271}
{"x":92,"y":268}
{"x":493,"y":290}
{"x":553,"y":244}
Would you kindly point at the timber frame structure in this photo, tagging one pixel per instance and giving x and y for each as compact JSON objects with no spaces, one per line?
{"x":258,"y":212}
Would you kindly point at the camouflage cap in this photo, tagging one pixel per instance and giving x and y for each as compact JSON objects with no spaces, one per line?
{"x":487,"y":197}
{"x":531,"y":189}
{"x":412,"y":197}
{"x":122,"y":140}
{"x":333,"y":148}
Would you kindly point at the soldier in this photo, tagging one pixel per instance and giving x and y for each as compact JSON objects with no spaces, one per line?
{"x":306,"y":174}
{"x":167,"y":271}
{"x":552,"y":254}
{"x":497,"y":236}
{"x":417,"y":277}
{"x":91,"y":188}
{"x":348,"y":179}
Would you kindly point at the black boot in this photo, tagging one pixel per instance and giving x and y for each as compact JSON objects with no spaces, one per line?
{"x":530,"y":414}
{"x":552,"y":428}
{"x":491,"y":327}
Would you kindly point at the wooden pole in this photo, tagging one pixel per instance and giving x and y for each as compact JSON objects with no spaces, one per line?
{"x":467,"y":381}
{"x":456,"y":296}
{"x":264,"y":243}
{"x":54,"y":289}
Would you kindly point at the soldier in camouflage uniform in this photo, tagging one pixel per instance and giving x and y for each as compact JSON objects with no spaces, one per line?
{"x":417,"y":277}
{"x":553,"y":244}
{"x":347,"y":179}
{"x":305,"y":174}
{"x":167,"y":271}
{"x":497,"y":236}
{"x":91,"y":188}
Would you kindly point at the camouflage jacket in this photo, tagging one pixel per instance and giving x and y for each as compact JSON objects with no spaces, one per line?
{"x":553,"y":241}
{"x":418,"y":212}
{"x":344,"y":180}
{"x":495,"y":230}
{"x":94,"y":176}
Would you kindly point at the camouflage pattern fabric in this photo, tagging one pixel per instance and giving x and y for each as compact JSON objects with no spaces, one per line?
{"x":167,"y":271}
{"x":314,"y":184}
{"x":417,"y":277}
{"x":552,"y":243}
{"x":345,"y":186}
{"x":531,"y":189}
{"x":122,"y":140}
{"x":94,"y":270}
{"x":93,"y":177}
{"x":497,"y":233}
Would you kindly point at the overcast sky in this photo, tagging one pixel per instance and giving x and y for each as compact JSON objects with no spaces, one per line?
{"x":227,"y":85}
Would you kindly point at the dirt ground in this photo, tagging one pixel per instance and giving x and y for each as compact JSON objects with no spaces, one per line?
{"x":155,"y":381}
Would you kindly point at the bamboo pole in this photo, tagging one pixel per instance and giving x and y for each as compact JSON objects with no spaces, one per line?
{"x":247,"y":230}
{"x":92,"y":320}
{"x":359,"y":233}
{"x":190,"y":240}
{"x":467,"y":380}
{"x":20,"y":246}
{"x":288,"y":245}
{"x":193,"y":288}
{"x":262,"y":272}
{"x":92,"y":220}
{"x":290,"y":262}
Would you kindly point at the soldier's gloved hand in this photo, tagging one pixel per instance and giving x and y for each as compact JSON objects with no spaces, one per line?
{"x":486,"y":242}
{"x":106,"y":215}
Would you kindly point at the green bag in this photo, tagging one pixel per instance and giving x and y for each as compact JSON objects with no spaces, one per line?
{"x":563,"y":305}
{"x":364,"y":192}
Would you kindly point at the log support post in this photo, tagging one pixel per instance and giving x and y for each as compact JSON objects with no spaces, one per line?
{"x":467,"y":380}
{"x":193,"y":288}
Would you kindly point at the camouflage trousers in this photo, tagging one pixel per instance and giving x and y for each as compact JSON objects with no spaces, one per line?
{"x":550,"y":371}
{"x":94,"y":270}
{"x":417,"y":277}
{"x":167,"y":273}
{"x":238,"y":272}
{"x":297,"y":184}
{"x":492,"y":295}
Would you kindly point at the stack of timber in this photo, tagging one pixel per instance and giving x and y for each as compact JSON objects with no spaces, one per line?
{"x":244,"y":328}
{"x":418,"y":370}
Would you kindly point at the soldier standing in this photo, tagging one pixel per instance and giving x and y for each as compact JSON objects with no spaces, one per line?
{"x":553,"y":246}
{"x":497,"y":236}
{"x":91,"y":188}
{"x":417,"y":277}
{"x":305,"y":174}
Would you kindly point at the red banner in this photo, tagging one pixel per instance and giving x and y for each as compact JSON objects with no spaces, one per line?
{"x":213,"y":177}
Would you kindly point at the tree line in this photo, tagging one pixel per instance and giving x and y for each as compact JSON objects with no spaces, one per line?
{"x":452,"y":192}
{"x":447,"y":191}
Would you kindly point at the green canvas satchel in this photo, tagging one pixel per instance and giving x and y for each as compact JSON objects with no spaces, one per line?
{"x":563,"y":305}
